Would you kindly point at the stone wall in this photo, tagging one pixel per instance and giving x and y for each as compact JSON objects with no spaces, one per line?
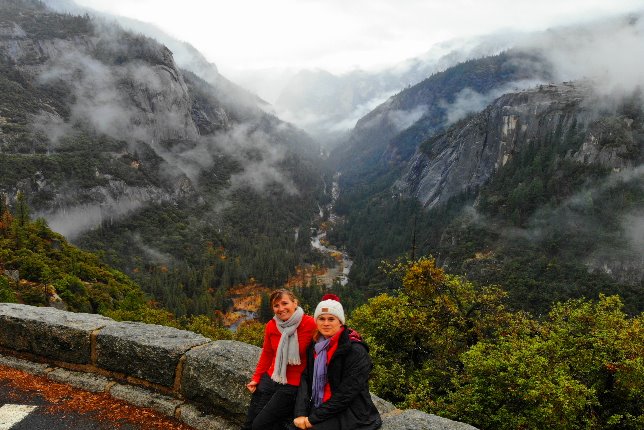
{"x":176,"y":372}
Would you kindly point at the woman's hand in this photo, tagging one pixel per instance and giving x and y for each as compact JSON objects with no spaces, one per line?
{"x":302,"y":423}
{"x":251,"y":386}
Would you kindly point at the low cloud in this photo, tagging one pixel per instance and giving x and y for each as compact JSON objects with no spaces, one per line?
{"x":604,"y":52}
{"x":153,"y":255}
{"x":575,"y":214}
{"x":402,"y":119}
{"x":143,"y":103}
{"x":633,"y":224}
{"x":468,"y":101}
{"x":75,"y":220}
{"x":259,"y":156}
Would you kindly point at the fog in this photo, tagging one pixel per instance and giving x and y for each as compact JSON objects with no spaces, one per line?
{"x":606,"y":52}
{"x":468,"y":101}
{"x":75,"y":220}
{"x":576,"y":215}
{"x":146,"y":105}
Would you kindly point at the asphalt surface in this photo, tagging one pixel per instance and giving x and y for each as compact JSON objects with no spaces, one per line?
{"x":31,"y":402}
{"x":47,"y":415}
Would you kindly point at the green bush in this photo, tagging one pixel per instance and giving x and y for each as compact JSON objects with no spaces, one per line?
{"x":7,"y":295}
{"x":450,"y":348}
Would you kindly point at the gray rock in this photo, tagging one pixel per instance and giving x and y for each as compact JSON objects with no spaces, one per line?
{"x":14,"y":275}
{"x":145,"y":399}
{"x":49,"y":332}
{"x":39,"y":369}
{"x":382,"y":405}
{"x":84,"y":381}
{"x":146,"y":351}
{"x":469,"y":153}
{"x":412,"y":419}
{"x":205,"y":369}
{"x":202,"y":421}
{"x":213,"y":378}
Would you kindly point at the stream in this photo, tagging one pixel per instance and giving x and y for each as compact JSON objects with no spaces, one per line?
{"x":341,"y":270}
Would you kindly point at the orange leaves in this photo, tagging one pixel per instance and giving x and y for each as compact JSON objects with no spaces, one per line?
{"x":105,"y":408}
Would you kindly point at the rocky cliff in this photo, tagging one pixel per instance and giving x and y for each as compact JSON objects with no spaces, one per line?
{"x":489,"y":170}
{"x":466,"y":156}
{"x":122,"y":151}
{"x":387,"y":137}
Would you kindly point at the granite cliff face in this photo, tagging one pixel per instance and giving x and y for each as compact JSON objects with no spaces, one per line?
{"x":387,"y":137}
{"x":78,"y":83}
{"x":465,"y":156}
{"x":134,"y":70}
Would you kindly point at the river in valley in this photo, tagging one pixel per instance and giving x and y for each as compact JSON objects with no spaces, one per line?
{"x":340,"y":271}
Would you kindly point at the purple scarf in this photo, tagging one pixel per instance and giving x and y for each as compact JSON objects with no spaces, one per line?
{"x":319,"y":371}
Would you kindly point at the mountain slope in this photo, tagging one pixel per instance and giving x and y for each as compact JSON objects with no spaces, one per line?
{"x":389,"y":135}
{"x":540,"y":193}
{"x":166,"y":175}
{"x":465,"y":157}
{"x":496,"y":192}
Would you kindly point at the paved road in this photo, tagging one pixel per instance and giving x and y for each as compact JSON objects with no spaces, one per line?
{"x":29,"y":402}
{"x":24,"y":410}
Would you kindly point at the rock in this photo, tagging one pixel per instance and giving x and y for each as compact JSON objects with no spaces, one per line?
{"x":212,"y":383}
{"x":39,"y":369}
{"x":467,"y":155}
{"x":224,"y":360}
{"x":202,"y":421}
{"x":145,"y":399}
{"x":84,"y":381}
{"x":14,"y":275}
{"x":146,"y":351}
{"x":412,"y":419}
{"x":382,"y":405}
{"x":49,"y":332}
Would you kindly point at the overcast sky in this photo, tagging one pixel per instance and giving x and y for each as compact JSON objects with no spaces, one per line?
{"x":340,"y":35}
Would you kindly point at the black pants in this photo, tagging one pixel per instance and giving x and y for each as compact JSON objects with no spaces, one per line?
{"x":330,"y":424}
{"x":271,"y":406}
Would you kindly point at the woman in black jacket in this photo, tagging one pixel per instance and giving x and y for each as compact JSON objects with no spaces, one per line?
{"x":334,"y":389}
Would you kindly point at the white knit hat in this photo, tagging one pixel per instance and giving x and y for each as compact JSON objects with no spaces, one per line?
{"x":330,"y":304}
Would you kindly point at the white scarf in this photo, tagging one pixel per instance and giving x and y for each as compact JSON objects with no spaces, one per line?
{"x":288,"y":350}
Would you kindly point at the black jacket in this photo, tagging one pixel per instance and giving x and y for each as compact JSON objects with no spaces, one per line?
{"x":348,"y":374}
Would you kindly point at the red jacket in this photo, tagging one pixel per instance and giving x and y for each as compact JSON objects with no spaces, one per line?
{"x":272,"y":335}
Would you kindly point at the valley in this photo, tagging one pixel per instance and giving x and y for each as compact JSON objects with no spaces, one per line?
{"x":142,"y":152}
{"x":479,"y":208}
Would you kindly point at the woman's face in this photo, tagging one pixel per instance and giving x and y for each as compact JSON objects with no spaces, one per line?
{"x":328,"y":324}
{"x":284,"y":307}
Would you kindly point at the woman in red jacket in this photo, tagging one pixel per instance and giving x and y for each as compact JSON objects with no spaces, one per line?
{"x":279,"y":369}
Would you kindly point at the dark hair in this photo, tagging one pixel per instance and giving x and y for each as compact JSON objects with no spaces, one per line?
{"x":277,"y":294}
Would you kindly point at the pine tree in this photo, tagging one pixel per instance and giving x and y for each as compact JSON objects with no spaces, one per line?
{"x":22,"y":210}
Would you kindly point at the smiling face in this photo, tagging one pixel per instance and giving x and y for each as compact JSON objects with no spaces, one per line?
{"x":284,"y":307}
{"x":328,"y":325}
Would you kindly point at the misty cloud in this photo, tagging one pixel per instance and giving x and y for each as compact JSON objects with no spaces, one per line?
{"x":605,"y":52}
{"x":469,"y":101}
{"x":75,"y":220}
{"x":153,"y":255}
{"x":52,"y":126}
{"x":575,"y":215}
{"x":359,"y":111}
{"x":259,"y":156}
{"x":633,"y":225}
{"x":402,"y":119}
{"x":130,"y":102}
{"x":137,"y":102}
